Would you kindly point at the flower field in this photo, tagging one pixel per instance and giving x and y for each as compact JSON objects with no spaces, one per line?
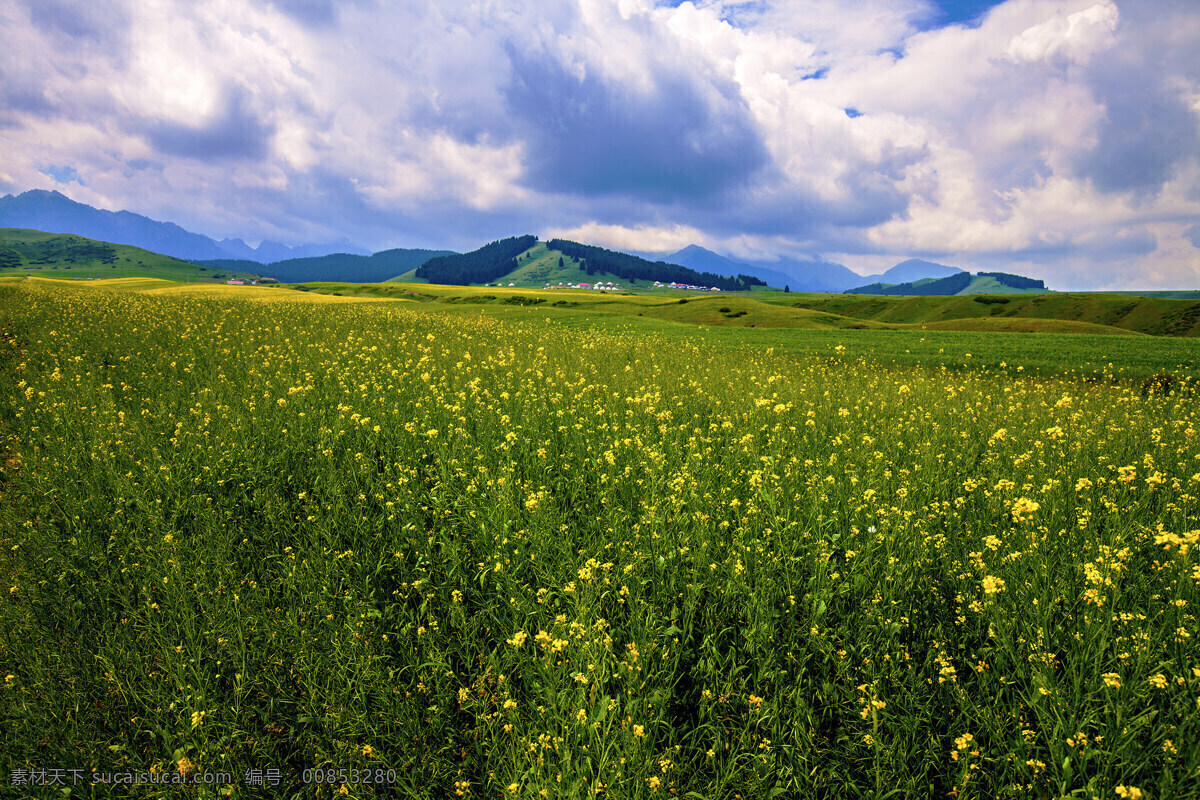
{"x":506,"y":557}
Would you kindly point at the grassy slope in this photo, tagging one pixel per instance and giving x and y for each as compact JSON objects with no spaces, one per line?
{"x":1181,"y":294}
{"x":981,"y":284}
{"x":835,"y":312}
{"x":539,"y":266}
{"x":62,"y":255}
{"x":1039,"y":347}
{"x":1153,"y":315}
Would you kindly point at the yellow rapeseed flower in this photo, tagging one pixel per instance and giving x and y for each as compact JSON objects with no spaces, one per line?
{"x":992,"y":585}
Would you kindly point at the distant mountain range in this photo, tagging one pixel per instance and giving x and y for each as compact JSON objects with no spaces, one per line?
{"x":914,"y":269}
{"x":343,"y":261}
{"x":340,"y":267}
{"x":960,"y":283}
{"x":813,"y":275}
{"x":55,"y":212}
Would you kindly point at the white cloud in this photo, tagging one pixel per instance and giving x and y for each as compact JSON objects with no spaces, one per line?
{"x":754,"y":128}
{"x":643,"y":238}
{"x":1076,"y":37}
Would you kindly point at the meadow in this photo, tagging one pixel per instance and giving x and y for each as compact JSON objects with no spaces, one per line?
{"x":477,"y":550}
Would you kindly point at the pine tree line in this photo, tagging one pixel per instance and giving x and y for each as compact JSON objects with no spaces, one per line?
{"x":486,"y":264}
{"x":597,"y":259}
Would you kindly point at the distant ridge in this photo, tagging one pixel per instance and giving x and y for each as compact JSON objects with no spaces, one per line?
{"x":41,"y":210}
{"x":484,"y":264}
{"x":914,"y":269}
{"x":805,"y":275}
{"x":952,"y":284}
{"x":338,"y":267}
{"x":696,"y":257}
{"x":70,"y":256}
{"x":959,"y":283}
{"x":813,"y":275}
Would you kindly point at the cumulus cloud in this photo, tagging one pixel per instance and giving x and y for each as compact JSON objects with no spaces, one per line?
{"x":1053,"y":134}
{"x":641,"y":238}
{"x":1074,"y":37}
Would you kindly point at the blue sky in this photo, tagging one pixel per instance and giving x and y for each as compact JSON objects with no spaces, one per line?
{"x":966,"y":12}
{"x":1056,"y":138}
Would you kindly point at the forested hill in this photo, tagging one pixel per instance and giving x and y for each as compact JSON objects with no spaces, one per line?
{"x":597,"y":259}
{"x":938,"y":286}
{"x":958,"y":283}
{"x":376,"y":268}
{"x":486,"y":264}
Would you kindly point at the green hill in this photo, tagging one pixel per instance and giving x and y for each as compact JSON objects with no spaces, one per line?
{"x":1112,"y":314}
{"x":338,"y":267}
{"x":65,"y":255}
{"x":1154,"y":315}
{"x":540,"y":266}
{"x":528,"y":263}
{"x":597,"y":260}
{"x":961,"y":283}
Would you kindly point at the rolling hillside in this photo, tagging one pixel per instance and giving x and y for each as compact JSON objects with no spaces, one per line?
{"x":598,"y":259}
{"x":540,"y":266}
{"x":1112,"y":314}
{"x":376,"y":268}
{"x":60,"y":255}
{"x":1121,"y":313}
{"x":526,"y":262}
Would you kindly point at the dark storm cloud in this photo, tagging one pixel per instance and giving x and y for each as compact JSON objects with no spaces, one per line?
{"x":589,"y":136}
{"x":313,"y":194}
{"x":76,"y":39}
{"x":235,"y":134}
{"x":1148,"y":127}
{"x":78,"y":19}
{"x":16,"y":100}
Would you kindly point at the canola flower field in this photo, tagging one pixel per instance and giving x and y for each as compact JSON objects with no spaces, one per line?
{"x":504,"y":557}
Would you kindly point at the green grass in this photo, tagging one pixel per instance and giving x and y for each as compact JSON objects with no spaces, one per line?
{"x":67,"y":256}
{"x":985,"y":284}
{"x":1153,"y":315}
{"x":524,"y":551}
{"x":539,"y":266}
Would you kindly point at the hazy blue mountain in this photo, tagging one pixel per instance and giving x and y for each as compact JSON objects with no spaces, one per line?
{"x":696,"y":257}
{"x":269,"y":252}
{"x":812,"y":275}
{"x":960,"y":283}
{"x":914,"y":269}
{"x":57,"y":213}
{"x":815,"y":275}
{"x":40,"y":210}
